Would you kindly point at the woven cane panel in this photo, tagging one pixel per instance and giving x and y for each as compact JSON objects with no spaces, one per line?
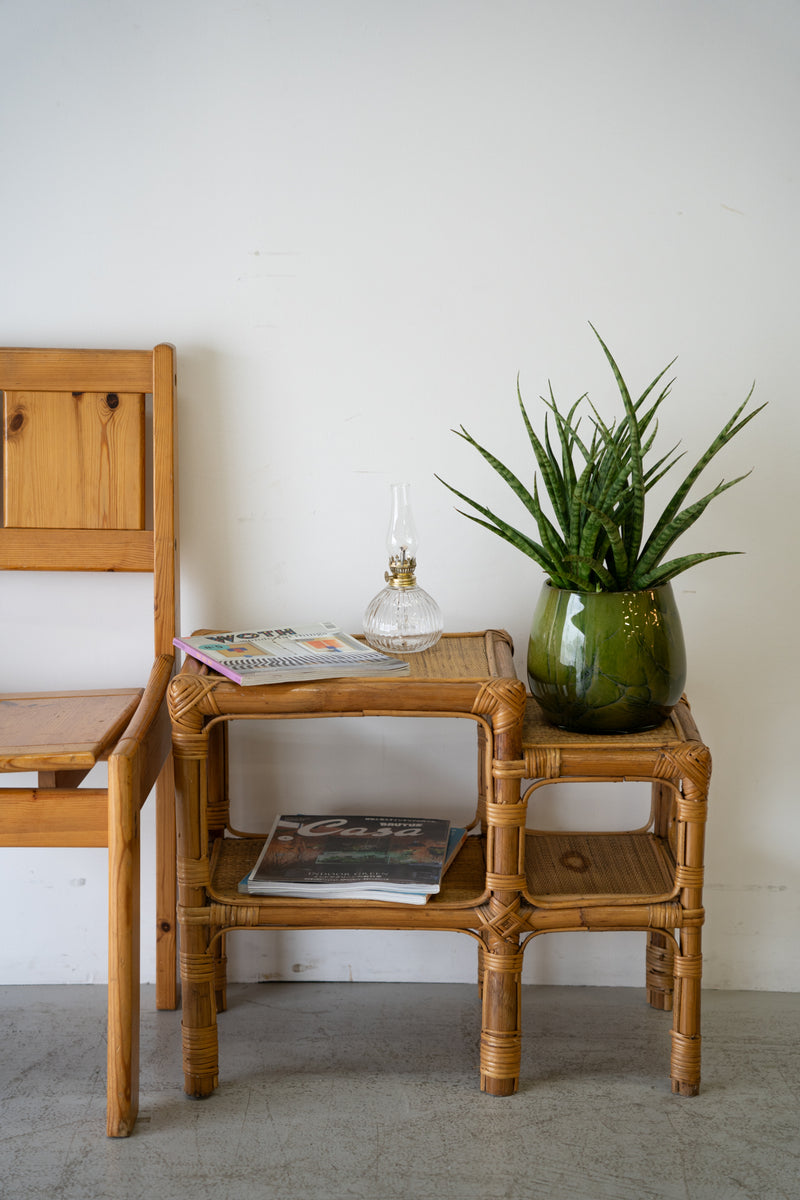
{"x":465,"y":880}
{"x":538,"y":731}
{"x":451,"y":658}
{"x":626,"y":867}
{"x":233,"y":858}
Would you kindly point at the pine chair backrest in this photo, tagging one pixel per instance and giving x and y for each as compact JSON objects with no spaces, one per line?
{"x":80,"y":491}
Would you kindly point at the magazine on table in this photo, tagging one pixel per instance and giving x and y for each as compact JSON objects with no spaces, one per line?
{"x":400,"y":859}
{"x":285,"y":655}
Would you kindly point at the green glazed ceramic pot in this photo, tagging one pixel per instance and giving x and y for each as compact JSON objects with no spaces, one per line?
{"x":606,"y":662}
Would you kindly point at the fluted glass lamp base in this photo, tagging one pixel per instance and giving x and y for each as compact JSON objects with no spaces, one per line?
{"x":402,"y":621}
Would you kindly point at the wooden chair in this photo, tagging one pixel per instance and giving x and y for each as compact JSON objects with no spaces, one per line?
{"x":75,"y":483}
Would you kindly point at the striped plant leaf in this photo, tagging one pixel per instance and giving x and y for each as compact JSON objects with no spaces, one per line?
{"x":591,"y":566}
{"x":729,"y":430}
{"x":509,"y":534}
{"x":657,"y":548}
{"x":667,"y":571}
{"x":615,"y":543}
{"x":597,"y":488}
{"x":516,"y":485}
{"x":635,"y":527}
{"x":553,"y":479}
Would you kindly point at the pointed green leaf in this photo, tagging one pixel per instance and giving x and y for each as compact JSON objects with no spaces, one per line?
{"x":615,"y":542}
{"x":669,"y":534}
{"x":635,"y":527}
{"x":728,"y":431}
{"x":553,"y":481}
{"x":504,"y":530}
{"x":676,"y":566}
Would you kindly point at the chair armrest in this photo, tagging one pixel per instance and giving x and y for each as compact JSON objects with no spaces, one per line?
{"x":146,"y":741}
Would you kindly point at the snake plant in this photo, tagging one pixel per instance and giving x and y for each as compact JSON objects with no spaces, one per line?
{"x":597,"y":486}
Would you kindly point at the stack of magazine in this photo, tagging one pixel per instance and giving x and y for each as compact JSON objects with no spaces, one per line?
{"x":289,"y":654}
{"x":399,"y":859}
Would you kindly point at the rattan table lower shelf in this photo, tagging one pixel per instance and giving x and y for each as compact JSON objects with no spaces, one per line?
{"x":463,"y":887}
{"x":566,"y":868}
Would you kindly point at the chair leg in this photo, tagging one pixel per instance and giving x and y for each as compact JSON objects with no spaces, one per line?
{"x":167,"y":994}
{"x":123,"y":952}
{"x":501,"y":1035}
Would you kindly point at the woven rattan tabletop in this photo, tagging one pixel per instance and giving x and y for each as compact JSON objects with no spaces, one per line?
{"x":481,"y":655}
{"x":464,"y":673}
{"x":538,"y":731}
{"x":550,"y":752}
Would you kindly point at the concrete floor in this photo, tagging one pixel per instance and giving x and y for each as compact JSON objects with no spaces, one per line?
{"x":370,"y":1092}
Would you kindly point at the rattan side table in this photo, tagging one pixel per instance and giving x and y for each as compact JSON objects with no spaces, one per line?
{"x":464,"y":676}
{"x":647,"y":879}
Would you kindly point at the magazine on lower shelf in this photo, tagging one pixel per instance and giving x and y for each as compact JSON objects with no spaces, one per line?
{"x":288,"y":654}
{"x":398,"y":859}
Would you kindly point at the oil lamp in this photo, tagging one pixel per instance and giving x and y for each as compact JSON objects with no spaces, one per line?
{"x":402,"y":618}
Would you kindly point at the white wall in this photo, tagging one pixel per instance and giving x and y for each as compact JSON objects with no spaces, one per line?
{"x":357,"y":220}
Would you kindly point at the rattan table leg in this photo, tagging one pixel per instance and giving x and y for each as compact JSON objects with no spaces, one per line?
{"x":199,"y":1026}
{"x":688,"y":965}
{"x":501,"y":1034}
{"x":481,"y":969}
{"x":501,"y":960}
{"x":660,"y":967}
{"x":220,"y":974}
{"x":660,"y":950}
{"x":685,"y":1058}
{"x":218,"y":816}
{"x":198,"y":976}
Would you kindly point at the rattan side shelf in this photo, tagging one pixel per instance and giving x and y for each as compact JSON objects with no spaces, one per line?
{"x":648,"y":879}
{"x":469,"y":676}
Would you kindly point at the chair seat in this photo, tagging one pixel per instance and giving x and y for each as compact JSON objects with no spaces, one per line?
{"x":51,"y":731}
